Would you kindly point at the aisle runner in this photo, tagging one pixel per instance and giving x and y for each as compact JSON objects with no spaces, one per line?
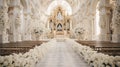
{"x":62,"y":56}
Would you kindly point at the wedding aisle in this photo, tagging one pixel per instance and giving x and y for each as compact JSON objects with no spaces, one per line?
{"x":62,"y":55}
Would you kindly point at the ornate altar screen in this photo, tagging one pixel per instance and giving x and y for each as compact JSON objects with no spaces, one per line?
{"x":59,"y":22}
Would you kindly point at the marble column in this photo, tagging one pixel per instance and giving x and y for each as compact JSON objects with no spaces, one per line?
{"x":15,"y":19}
{"x":11,"y":21}
{"x":3,"y":21}
{"x":116,"y":22}
{"x":28,"y":26}
{"x":18,"y":22}
{"x":104,"y":20}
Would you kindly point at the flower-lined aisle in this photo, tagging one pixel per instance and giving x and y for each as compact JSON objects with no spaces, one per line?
{"x":28,"y":59}
{"x":93,"y":58}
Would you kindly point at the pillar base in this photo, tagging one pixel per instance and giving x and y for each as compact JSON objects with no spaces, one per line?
{"x":0,"y":38}
{"x":104,"y":37}
{"x":3,"y":39}
{"x":116,"y":38}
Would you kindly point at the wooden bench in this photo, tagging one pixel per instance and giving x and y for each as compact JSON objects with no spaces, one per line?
{"x":18,"y":47}
{"x":105,"y":47}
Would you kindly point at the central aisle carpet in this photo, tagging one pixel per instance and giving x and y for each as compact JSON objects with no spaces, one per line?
{"x":62,"y":55}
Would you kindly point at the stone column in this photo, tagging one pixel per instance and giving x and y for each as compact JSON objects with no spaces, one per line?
{"x":11,"y":21}
{"x":15,"y":18}
{"x":28,"y":25}
{"x":18,"y":22}
{"x":116,"y":22}
{"x":3,"y":21}
{"x":104,"y":20}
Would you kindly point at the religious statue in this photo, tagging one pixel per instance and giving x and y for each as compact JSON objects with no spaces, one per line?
{"x":59,"y":16}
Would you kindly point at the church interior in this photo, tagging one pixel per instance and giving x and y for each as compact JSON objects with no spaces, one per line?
{"x":59,"y":33}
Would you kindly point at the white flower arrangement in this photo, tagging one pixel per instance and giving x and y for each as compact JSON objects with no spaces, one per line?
{"x":93,"y":58}
{"x":28,"y":59}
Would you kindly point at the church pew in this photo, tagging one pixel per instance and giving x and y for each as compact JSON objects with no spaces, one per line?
{"x":87,"y":43}
{"x":7,"y":51}
{"x":105,"y":47}
{"x":109,"y":50}
{"x":18,"y":47}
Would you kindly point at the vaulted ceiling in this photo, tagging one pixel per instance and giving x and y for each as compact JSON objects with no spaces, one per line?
{"x":76,"y":5}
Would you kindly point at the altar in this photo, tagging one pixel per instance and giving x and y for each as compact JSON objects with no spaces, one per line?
{"x":59,"y":22}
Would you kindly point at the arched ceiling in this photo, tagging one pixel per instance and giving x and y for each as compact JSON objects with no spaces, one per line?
{"x":62,"y":3}
{"x":76,"y":5}
{"x":80,"y":8}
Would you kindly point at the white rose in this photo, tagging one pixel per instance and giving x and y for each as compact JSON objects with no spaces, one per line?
{"x":1,"y":59}
{"x":118,"y":63}
{"x":5,"y":63}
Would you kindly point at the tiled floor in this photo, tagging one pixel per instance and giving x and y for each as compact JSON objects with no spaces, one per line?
{"x":62,"y":56}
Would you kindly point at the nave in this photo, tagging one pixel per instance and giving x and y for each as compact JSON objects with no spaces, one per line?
{"x":62,"y":55}
{"x":30,"y":30}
